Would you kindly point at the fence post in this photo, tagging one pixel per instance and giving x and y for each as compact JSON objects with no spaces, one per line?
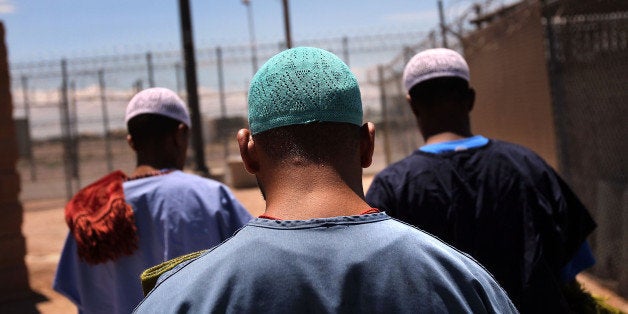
{"x":105,"y":120}
{"x":345,"y":49}
{"x":253,"y":42}
{"x":223,"y":105}
{"x":27,"y":113}
{"x":411,"y":143}
{"x":65,"y":125}
{"x":443,"y":27}
{"x":192,"y":89}
{"x":558,"y":97}
{"x":149,"y":66}
{"x":75,"y":161}
{"x":286,"y":20}
{"x":385,"y":130}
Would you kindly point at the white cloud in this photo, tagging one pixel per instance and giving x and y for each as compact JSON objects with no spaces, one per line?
{"x":6,"y":6}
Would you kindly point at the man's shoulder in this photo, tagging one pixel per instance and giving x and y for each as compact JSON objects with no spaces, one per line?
{"x":183,"y":180}
{"x":174,"y":186}
{"x":512,"y":148}
{"x":518,"y":155}
{"x":206,"y":263}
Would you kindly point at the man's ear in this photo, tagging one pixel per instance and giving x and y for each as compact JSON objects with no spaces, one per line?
{"x":129,"y":140}
{"x":182,"y":136}
{"x":367,"y":144}
{"x":248,"y":151}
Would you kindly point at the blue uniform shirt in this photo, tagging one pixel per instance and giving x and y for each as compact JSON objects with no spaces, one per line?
{"x":348,"y":264}
{"x":175,"y":214}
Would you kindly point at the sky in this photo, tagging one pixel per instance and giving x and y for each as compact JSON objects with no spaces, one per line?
{"x":45,"y":29}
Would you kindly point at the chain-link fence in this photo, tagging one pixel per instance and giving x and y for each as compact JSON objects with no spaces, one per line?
{"x":588,"y":65}
{"x":70,"y":113}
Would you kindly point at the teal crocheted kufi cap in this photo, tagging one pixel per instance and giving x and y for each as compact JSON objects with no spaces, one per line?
{"x":303,"y":85}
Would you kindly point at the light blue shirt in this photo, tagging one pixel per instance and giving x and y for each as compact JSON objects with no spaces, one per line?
{"x":348,"y":264}
{"x":175,"y":214}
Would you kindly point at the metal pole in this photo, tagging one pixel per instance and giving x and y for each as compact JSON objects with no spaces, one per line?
{"x":149,"y":66}
{"x":223,"y":105}
{"x":27,"y":113}
{"x":382,"y":94}
{"x":192,"y":92}
{"x":345,"y":49}
{"x":558,"y":96}
{"x":74,"y":136}
{"x":249,"y":13}
{"x":443,"y":27}
{"x":286,"y":20}
{"x":409,"y":129}
{"x":65,"y":119}
{"x":105,"y":120}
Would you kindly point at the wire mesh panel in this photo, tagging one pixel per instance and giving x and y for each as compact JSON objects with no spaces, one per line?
{"x":588,"y":59}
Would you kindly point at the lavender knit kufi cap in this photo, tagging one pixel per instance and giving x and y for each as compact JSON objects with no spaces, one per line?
{"x":434,"y":63}
{"x":158,"y":100}
{"x":303,"y":85}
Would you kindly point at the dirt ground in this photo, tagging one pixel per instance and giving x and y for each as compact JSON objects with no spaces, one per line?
{"x":45,"y":230}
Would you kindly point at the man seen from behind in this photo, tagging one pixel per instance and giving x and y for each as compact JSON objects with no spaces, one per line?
{"x":319,"y":247}
{"x":121,"y":225}
{"x":497,"y":201}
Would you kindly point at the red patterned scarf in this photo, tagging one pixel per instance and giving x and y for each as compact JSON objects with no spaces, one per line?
{"x":101,"y":222}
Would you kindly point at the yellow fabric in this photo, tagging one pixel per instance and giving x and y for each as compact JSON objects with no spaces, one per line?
{"x":149,"y":276}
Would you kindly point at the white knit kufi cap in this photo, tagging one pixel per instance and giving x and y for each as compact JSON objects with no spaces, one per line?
{"x":434,"y":63}
{"x":158,"y":100}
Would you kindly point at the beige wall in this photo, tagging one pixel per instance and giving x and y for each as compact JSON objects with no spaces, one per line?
{"x":509,"y":74}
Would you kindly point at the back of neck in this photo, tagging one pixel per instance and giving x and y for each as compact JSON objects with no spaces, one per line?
{"x":313,"y":192}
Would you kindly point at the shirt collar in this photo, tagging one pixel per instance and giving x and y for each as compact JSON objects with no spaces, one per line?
{"x":455,"y":145}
